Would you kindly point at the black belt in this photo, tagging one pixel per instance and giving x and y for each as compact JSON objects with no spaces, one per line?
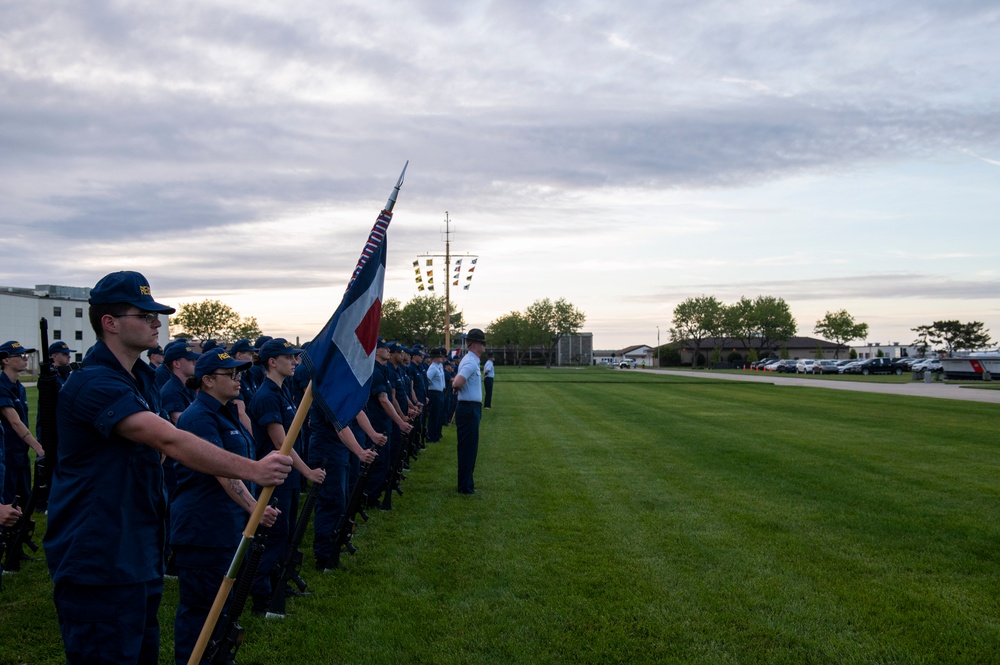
{"x":469,"y":401}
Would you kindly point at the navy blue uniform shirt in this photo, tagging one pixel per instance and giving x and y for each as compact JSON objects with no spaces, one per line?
{"x":175,"y":396}
{"x":107,"y":506}
{"x":12,"y":394}
{"x":201,"y":513}
{"x":271,"y":404}
{"x":380,"y":420}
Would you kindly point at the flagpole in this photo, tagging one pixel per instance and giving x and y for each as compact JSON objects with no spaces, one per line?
{"x":265,"y":495}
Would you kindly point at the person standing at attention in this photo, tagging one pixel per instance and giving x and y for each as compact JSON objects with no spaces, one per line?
{"x":104,"y":541}
{"x":468,"y":387}
{"x":488,"y":381}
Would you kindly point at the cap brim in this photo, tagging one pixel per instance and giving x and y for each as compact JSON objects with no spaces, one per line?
{"x":153,"y":306}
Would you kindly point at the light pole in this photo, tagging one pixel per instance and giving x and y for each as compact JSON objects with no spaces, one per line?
{"x":658,"y":354}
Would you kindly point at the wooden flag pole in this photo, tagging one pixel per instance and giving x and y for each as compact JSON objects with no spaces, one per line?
{"x":248,"y":532}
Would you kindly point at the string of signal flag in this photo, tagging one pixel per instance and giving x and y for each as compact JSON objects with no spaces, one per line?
{"x":427,"y":271}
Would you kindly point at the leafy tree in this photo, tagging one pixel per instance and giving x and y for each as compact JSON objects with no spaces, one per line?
{"x":548,"y":321}
{"x":247,"y":327}
{"x":695,"y":320}
{"x":510,"y":333}
{"x":953,"y":335}
{"x":420,"y":320}
{"x":213,"y":319}
{"x":773,"y":320}
{"x":760,"y":323}
{"x":840,"y":328}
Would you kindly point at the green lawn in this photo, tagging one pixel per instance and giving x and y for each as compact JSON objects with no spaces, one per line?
{"x":629,"y":517}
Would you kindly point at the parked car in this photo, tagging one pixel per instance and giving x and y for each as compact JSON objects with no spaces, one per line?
{"x":825,"y":367}
{"x":927,"y":365}
{"x":879,"y":366}
{"x":784,"y":366}
{"x":804,"y":366}
{"x":759,"y":364}
{"x":627,"y":364}
{"x":851,"y":367}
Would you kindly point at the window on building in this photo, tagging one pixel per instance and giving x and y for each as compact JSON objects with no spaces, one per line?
{"x":79,"y":334}
{"x":57,"y":311}
{"x":79,"y":357}
{"x":57,"y":335}
{"x":79,"y":312}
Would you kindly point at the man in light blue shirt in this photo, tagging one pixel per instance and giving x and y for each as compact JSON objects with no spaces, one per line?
{"x":435,"y":395}
{"x":469,"y":389}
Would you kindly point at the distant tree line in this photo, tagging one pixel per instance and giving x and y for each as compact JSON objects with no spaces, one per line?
{"x":421,"y":320}
{"x":761,"y":324}
{"x":951,"y":336}
{"x":213,"y":319}
{"x":541,"y":324}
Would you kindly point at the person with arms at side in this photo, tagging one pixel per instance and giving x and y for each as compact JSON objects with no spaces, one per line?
{"x":208,"y":513}
{"x":435,"y":395}
{"x":14,"y":417}
{"x":104,"y":542}
{"x":488,"y":381}
{"x":469,"y":410}
{"x":8,"y":513}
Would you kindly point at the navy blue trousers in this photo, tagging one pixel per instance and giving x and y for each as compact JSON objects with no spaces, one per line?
{"x":333,"y":495}
{"x":435,"y":415}
{"x":467,"y":417}
{"x":199,"y":573}
{"x":110,"y":625}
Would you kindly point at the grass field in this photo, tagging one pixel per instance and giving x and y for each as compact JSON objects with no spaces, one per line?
{"x":625,"y":517}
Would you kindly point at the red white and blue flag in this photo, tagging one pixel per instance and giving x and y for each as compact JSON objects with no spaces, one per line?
{"x":342,"y":357}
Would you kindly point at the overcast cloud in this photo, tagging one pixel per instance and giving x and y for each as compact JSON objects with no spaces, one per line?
{"x":625,"y":156}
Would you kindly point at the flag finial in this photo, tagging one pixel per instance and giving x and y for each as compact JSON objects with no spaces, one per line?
{"x":395,"y":190}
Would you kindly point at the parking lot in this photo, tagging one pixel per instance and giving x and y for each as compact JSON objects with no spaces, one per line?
{"x":937,"y":389}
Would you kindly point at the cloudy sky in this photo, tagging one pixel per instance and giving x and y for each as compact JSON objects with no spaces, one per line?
{"x":625,"y":156}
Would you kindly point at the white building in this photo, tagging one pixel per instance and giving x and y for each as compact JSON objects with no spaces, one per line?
{"x":63,"y":307}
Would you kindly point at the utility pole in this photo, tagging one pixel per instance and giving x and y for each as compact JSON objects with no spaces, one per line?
{"x":658,"y":354}
{"x":447,"y":283}
{"x":447,"y":276}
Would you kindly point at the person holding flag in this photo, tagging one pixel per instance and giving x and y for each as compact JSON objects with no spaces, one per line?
{"x":340,"y":361}
{"x":104,"y":541}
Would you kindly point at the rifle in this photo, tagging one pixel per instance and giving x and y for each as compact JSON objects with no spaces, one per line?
{"x":6,"y":536}
{"x":222,"y":650}
{"x":395,"y":475}
{"x":48,"y":395}
{"x":344,"y":533}
{"x":290,"y":567}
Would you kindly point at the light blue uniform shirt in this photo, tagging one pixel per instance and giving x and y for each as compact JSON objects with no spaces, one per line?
{"x":472,"y":390}
{"x":435,"y":376}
